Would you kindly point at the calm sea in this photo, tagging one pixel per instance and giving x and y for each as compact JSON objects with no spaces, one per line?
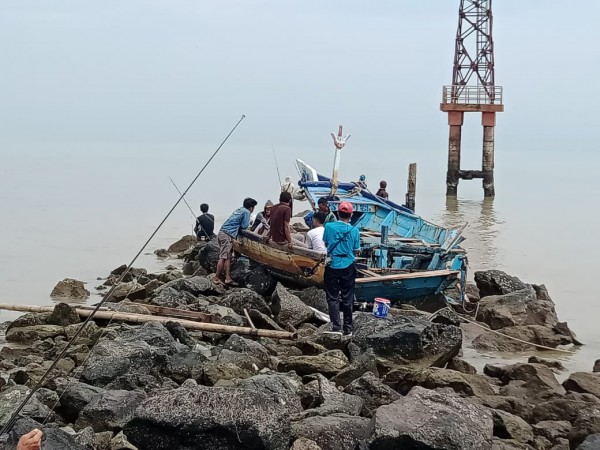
{"x":79,"y":210}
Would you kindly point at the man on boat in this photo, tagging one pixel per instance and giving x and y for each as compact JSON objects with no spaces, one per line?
{"x":382,"y":192}
{"x":279,"y":230}
{"x":263,"y":219}
{"x":314,"y":238}
{"x":205,"y":224}
{"x":342,"y":240}
{"x":239,"y":220}
{"x":324,"y":208}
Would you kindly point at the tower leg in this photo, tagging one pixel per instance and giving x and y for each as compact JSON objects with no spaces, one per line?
{"x":455,"y":121}
{"x":488,"y":120}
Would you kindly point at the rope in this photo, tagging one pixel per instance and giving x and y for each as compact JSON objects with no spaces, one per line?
{"x":62,"y":354}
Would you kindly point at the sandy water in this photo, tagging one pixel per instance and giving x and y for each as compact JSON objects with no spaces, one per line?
{"x":79,"y":210}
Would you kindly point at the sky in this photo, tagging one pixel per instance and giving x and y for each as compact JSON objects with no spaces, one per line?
{"x":184,"y":71}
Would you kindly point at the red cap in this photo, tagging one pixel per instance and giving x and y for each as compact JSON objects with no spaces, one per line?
{"x":345,"y":207}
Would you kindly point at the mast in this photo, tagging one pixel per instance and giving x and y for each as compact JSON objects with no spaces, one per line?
{"x":339,"y":141}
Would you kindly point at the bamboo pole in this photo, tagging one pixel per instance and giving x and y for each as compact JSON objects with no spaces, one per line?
{"x":143,"y":318}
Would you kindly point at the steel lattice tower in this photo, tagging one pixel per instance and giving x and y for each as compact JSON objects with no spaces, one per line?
{"x":473,"y":89}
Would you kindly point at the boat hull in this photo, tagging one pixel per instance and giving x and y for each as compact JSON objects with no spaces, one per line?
{"x":306,"y":268}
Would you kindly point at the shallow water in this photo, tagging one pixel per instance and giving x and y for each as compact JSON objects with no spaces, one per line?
{"x":79,"y":210}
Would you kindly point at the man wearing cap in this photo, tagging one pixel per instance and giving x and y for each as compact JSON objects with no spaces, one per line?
{"x":239,"y":220}
{"x":342,"y":240}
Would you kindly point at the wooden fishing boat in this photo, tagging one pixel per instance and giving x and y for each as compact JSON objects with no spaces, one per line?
{"x":402,"y":256}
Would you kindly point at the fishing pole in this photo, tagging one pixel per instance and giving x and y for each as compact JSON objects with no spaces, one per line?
{"x":14,"y":416}
{"x":277,"y":166}
{"x":185,"y":201}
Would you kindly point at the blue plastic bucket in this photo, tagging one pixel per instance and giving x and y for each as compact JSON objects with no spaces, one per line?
{"x":381,"y":308}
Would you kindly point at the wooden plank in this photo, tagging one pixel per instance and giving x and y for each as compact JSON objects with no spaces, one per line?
{"x":368,"y":272}
{"x":408,"y":276}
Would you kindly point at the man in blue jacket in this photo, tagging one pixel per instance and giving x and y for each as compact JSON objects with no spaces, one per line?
{"x":342,"y":240}
{"x":239,"y":220}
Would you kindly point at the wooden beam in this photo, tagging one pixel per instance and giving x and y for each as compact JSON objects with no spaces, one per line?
{"x":408,"y":276}
{"x":143,"y":318}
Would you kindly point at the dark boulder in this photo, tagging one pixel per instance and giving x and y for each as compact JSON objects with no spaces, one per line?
{"x":183,"y":244}
{"x":496,"y":282}
{"x":229,"y":418}
{"x":535,"y":382}
{"x":535,"y":334}
{"x":63,"y":315}
{"x":12,"y":396}
{"x":557,"y":366}
{"x":461,"y":366}
{"x":248,"y":347}
{"x":334,"y":432}
{"x":583,"y":382}
{"x":208,"y":256}
{"x":361,"y":364}
{"x":196,"y":286}
{"x":329,"y":363}
{"x":288,"y":308}
{"x":587,"y":422}
{"x":592,"y":442}
{"x":315,"y":298}
{"x":54,"y":438}
{"x":180,"y":333}
{"x":110,"y":411}
{"x":373,"y":393}
{"x":131,"y":290}
{"x":422,"y":342}
{"x":433,"y":378}
{"x":70,"y":289}
{"x":74,"y":396}
{"x":430,"y":420}
{"x":327,"y":400}
{"x":240,"y":299}
{"x":172,"y":298}
{"x":260,"y":280}
{"x":282,"y":388}
{"x":184,"y":365}
{"x":509,"y":426}
{"x":552,"y":429}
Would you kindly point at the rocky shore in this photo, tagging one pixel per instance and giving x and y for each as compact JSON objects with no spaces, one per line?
{"x":398,"y":383}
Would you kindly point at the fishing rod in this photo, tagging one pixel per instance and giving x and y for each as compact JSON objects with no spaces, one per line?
{"x":185,"y":201}
{"x":99,"y":305}
{"x":277,"y":166}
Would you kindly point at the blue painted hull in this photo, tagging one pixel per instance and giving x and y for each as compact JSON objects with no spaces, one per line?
{"x":403,"y":291}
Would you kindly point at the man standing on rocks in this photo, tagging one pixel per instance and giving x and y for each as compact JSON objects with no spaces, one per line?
{"x":239,"y":220}
{"x":342,"y":240}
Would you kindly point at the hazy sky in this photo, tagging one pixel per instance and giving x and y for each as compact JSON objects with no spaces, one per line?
{"x":183,"y":71}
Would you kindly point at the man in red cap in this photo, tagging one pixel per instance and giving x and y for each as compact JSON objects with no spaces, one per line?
{"x":342,"y":240}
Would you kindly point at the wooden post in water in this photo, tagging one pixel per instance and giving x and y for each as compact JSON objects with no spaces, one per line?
{"x":411,"y":186}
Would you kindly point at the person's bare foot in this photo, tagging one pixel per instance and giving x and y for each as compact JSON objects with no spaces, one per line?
{"x":231,"y":283}
{"x":217,"y":280}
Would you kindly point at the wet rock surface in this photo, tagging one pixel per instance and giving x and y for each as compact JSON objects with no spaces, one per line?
{"x":70,"y":289}
{"x":397,"y":383}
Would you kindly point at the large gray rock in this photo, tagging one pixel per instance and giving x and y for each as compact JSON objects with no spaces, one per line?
{"x":430,"y":420}
{"x":334,"y":432}
{"x":422,"y":342}
{"x":183,"y":244}
{"x":63,"y":315}
{"x":110,"y":411}
{"x":140,"y":351}
{"x":173,"y":298}
{"x":11,"y":397}
{"x":496,"y":282}
{"x":329,"y":363}
{"x":208,"y":256}
{"x":254,"y":276}
{"x":288,"y":308}
{"x":74,"y":396}
{"x":29,"y":334}
{"x":587,"y":422}
{"x":432,"y":378}
{"x":240,"y":299}
{"x":185,"y":364}
{"x":224,"y":315}
{"x":517,"y":308}
{"x":560,"y":409}
{"x":246,"y":346}
{"x":509,"y":426}
{"x":305,"y":444}
{"x":315,"y":298}
{"x":284,"y":389}
{"x":535,"y":334}
{"x":361,"y":364}
{"x":196,"y":285}
{"x":552,"y":429}
{"x":373,"y":393}
{"x":535,"y":382}
{"x":70,"y":289}
{"x":131,"y":290}
{"x":592,"y":442}
{"x":584,"y":382}
{"x":54,"y":438}
{"x":329,"y":400}
{"x":229,"y":418}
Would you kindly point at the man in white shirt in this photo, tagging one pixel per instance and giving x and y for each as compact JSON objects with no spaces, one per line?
{"x":314,"y":238}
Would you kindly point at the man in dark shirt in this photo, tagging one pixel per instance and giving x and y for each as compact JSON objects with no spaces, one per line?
{"x":382,"y":192}
{"x":205,"y":224}
{"x":281,"y":214}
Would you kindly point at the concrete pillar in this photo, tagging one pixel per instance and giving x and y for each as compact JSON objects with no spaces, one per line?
{"x":488,"y":120}
{"x":455,"y":121}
